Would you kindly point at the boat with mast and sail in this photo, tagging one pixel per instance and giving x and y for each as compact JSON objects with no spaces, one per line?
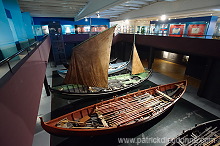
{"x":88,"y":70}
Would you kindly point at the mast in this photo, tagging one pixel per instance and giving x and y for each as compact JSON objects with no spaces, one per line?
{"x":90,"y":60}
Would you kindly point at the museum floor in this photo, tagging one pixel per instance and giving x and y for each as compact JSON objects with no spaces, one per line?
{"x":186,"y":113}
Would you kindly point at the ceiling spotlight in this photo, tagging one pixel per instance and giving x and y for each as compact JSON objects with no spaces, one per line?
{"x":163,"y":17}
{"x":127,"y":21}
{"x":86,"y":19}
{"x":98,"y":15}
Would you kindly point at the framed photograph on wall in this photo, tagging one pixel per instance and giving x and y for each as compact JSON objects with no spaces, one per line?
{"x":176,"y":30}
{"x":163,"y":29}
{"x":196,"y":30}
{"x":98,"y":28}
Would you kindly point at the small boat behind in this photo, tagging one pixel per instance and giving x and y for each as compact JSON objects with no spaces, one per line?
{"x":113,"y":60}
{"x":117,"y":67}
{"x":113,"y":68}
{"x":117,"y":114}
{"x":62,"y":72}
{"x":206,"y":134}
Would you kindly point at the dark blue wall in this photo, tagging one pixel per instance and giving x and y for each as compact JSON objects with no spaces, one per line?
{"x":46,"y":20}
{"x":70,"y":21}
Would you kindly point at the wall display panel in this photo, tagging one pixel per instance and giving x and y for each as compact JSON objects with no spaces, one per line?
{"x":176,"y":30}
{"x":68,"y":29}
{"x":152,"y":29}
{"x":125,"y":28}
{"x":217,"y":31}
{"x":118,"y":29}
{"x":45,"y":29}
{"x":98,"y":28}
{"x":142,"y":29}
{"x":163,"y":29}
{"x":131,"y":29}
{"x":196,"y":30}
{"x":38,"y":30}
{"x":82,"y":28}
{"x":138,"y":29}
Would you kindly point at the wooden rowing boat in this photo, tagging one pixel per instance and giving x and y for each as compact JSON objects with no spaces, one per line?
{"x":205,"y":134}
{"x":117,"y":114}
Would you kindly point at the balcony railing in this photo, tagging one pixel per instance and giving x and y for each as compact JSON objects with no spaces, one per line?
{"x":7,"y":64}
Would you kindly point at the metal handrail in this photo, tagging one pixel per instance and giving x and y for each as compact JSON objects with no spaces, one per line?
{"x":6,"y":60}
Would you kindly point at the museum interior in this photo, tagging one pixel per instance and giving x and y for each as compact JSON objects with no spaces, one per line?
{"x":100,"y":72}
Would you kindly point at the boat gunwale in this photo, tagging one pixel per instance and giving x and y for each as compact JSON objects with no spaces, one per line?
{"x":115,"y":99}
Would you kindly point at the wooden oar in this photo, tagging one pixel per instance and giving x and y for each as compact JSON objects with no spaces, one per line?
{"x":135,"y":106}
{"x":132,"y":113}
{"x":126,"y":111}
{"x":166,"y":96}
{"x":86,"y":127}
{"x":134,"y":110}
{"x":118,"y":101}
{"x":67,"y":121}
{"x":131,"y":118}
{"x":135,"y":117}
{"x":146,"y":109}
{"x":103,"y":120}
{"x":121,"y":104}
